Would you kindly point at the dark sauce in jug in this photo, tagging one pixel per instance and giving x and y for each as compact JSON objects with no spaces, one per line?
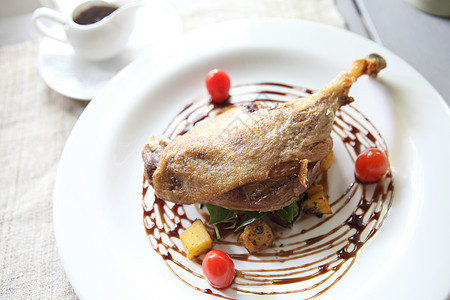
{"x":94,"y":14}
{"x":307,"y":259}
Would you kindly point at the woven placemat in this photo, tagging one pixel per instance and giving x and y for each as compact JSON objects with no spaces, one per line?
{"x":34,"y":125}
{"x":322,"y":11}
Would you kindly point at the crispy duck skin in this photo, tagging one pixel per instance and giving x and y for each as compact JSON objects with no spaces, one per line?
{"x":257,"y":160}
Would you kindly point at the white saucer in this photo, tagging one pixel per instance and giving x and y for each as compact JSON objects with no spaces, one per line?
{"x":79,"y":79}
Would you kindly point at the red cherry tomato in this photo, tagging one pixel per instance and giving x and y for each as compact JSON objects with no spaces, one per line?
{"x":371,"y":165}
{"x":218,"y":268}
{"x":218,"y":85}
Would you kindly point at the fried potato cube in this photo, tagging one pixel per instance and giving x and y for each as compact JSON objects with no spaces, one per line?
{"x":196,"y":239}
{"x":257,"y":236}
{"x":316,"y":203}
{"x":325,"y":163}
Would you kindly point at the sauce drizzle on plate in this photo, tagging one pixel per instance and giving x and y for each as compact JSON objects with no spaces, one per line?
{"x":307,"y":259}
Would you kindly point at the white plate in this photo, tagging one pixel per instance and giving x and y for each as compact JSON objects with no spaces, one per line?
{"x":79,"y":79}
{"x":97,"y":196}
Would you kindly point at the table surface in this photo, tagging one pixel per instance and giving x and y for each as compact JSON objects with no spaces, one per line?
{"x":420,"y":39}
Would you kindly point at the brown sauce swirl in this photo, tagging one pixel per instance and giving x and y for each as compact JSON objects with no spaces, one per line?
{"x":307,"y":259}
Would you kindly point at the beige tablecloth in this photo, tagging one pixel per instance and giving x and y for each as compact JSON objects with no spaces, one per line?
{"x":34,"y":125}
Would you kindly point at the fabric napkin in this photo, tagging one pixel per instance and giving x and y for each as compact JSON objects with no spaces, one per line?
{"x":34,"y":125}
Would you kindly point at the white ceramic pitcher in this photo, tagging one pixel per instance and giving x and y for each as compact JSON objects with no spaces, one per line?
{"x":100,"y":40}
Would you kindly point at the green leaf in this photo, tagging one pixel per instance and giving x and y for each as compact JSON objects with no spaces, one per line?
{"x":220,"y":215}
{"x":289,"y":212}
{"x":251,"y":216}
{"x":232,"y":225}
{"x":302,"y":197}
{"x":216,"y":229}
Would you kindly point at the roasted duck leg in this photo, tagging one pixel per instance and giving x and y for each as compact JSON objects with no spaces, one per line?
{"x":264,"y":161}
